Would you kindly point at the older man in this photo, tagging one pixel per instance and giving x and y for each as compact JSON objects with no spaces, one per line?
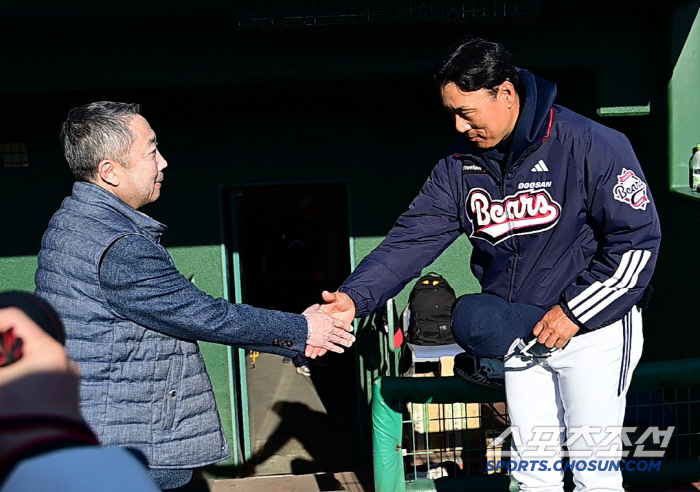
{"x":561,"y":220}
{"x":131,"y":319}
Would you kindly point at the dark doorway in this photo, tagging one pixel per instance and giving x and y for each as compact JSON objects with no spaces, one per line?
{"x":294,"y":243}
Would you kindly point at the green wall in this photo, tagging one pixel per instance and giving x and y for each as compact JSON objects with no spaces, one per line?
{"x":684,"y":106}
{"x":671,"y":328}
{"x":17,"y":273}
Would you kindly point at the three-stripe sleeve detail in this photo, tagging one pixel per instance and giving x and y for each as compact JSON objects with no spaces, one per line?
{"x":600,"y":295}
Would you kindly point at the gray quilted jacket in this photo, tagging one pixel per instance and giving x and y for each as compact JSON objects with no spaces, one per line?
{"x":131,"y":324}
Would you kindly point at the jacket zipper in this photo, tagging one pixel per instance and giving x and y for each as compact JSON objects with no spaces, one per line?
{"x":516,"y":254}
{"x":502,"y":187}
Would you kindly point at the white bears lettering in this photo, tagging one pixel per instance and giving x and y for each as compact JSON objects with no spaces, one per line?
{"x":524,"y":213}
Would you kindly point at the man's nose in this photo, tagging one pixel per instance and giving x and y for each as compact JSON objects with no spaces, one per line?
{"x":162,"y":163}
{"x":461,"y":125}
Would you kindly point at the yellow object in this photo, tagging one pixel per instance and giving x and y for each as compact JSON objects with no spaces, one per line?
{"x":254,"y":354}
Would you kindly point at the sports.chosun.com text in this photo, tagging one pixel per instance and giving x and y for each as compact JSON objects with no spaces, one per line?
{"x":580,"y":465}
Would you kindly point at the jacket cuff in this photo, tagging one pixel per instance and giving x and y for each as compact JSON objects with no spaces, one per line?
{"x":581,"y":327}
{"x":309,"y":326}
{"x":361,"y":304}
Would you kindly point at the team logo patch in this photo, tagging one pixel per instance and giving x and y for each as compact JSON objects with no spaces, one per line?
{"x":526,"y":212}
{"x":630,"y":189}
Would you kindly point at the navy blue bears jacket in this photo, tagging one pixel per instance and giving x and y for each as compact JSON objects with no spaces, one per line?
{"x":570,"y":220}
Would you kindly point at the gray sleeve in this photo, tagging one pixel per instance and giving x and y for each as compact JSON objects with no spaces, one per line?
{"x":141,"y":284}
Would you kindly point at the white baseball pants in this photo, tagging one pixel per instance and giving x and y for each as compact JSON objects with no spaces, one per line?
{"x":584,"y":384}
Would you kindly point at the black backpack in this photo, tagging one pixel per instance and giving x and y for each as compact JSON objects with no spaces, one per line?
{"x":430,"y":304}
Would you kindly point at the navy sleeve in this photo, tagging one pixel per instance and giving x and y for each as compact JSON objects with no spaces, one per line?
{"x":141,"y":284}
{"x":419,"y":236}
{"x":623,"y":214}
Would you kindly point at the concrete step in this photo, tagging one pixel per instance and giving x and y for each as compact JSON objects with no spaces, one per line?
{"x":319,"y":482}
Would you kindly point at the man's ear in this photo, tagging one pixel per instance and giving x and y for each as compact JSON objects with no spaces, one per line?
{"x":508,"y":90}
{"x":107,"y":172}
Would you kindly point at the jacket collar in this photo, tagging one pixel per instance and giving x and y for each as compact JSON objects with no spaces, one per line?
{"x":537,"y":98}
{"x":94,"y":195}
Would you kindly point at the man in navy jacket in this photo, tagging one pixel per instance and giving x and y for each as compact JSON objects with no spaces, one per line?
{"x":560,"y":218}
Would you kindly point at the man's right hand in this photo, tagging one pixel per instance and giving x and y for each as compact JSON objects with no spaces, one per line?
{"x":327,"y":333}
{"x":339,"y":305}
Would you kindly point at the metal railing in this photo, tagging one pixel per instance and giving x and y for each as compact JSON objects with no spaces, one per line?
{"x":276,"y":13}
{"x":661,"y":394}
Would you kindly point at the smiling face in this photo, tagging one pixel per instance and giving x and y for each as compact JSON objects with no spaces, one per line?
{"x":140,"y":179}
{"x":485,"y":117}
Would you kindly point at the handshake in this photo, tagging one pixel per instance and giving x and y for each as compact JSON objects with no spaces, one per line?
{"x":330,"y":324}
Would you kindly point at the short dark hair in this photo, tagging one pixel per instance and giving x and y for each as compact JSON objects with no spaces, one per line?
{"x":476,"y":63}
{"x":97,"y":131}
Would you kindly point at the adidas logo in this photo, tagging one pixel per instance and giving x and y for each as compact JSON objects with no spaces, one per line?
{"x":540,"y":167}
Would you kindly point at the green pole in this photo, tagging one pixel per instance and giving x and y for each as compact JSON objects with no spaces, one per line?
{"x":386,"y":438}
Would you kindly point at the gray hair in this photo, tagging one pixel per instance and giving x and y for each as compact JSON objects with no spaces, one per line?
{"x":97,"y":131}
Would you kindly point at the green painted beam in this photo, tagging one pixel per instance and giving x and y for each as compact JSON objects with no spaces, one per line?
{"x":625,"y":110}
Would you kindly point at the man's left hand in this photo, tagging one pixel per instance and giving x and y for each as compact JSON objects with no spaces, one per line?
{"x":555,"y":328}
{"x":326,"y":333}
